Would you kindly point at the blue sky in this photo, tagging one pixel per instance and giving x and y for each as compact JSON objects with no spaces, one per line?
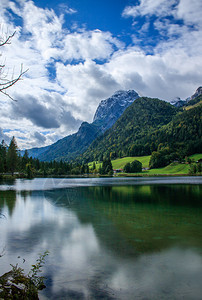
{"x":80,"y":52}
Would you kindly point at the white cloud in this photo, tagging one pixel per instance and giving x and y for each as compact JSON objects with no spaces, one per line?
{"x":88,"y":83}
{"x":4,"y":136}
{"x":72,"y":69}
{"x":89,"y":45}
{"x":66,"y":9}
{"x":190,"y":11}
{"x":150,"y":7}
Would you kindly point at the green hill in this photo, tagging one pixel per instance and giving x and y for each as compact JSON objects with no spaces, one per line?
{"x":174,"y":168}
{"x":128,"y":136}
{"x":149,"y":125}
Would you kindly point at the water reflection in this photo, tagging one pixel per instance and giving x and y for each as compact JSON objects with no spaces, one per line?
{"x":115,"y":242}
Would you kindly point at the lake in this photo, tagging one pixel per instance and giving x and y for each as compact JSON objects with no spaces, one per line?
{"x":108,"y":238}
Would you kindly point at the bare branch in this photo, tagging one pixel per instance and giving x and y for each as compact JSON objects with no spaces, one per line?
{"x":7,"y":41}
{"x":5,"y":81}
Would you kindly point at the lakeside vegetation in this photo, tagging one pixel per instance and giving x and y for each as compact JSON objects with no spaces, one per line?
{"x":12,"y":164}
{"x":185,"y":167}
{"x":15,"y":165}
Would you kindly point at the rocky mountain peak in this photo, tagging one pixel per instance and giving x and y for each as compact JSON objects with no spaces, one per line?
{"x":110,"y":109}
{"x":197,"y":93}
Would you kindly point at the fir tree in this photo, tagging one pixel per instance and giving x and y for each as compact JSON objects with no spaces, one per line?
{"x":12,"y":156}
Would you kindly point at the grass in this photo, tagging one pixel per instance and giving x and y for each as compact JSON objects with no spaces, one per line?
{"x":172,"y":169}
{"x":120,"y":162}
{"x":196,"y":157}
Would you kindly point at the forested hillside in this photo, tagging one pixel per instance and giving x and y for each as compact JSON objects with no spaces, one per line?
{"x":129,"y":134}
{"x":150,"y":125}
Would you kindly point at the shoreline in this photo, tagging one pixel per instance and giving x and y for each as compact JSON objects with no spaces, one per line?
{"x":10,"y":177}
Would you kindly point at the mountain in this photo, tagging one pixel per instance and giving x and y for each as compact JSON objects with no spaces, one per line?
{"x":149,"y":125}
{"x":178,"y":102}
{"x":144,"y":116}
{"x":35,"y":152}
{"x":183,"y":134}
{"x":106,"y":115}
{"x":72,"y":145}
{"x":189,"y":101}
{"x":111,"y":109}
{"x":197,"y":93}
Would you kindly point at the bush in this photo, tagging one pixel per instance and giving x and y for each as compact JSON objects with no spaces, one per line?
{"x":133,"y":167}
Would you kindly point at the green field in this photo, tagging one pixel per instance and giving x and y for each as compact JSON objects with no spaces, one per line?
{"x":172,"y":169}
{"x":120,"y":162}
{"x":196,"y":157}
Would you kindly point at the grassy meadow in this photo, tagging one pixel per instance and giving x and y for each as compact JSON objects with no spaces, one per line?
{"x":172,"y":169}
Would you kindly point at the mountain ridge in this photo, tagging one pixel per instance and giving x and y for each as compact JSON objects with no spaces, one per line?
{"x":148,"y":125}
{"x":108,"y":111}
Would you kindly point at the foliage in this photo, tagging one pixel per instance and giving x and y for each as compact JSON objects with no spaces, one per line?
{"x":160,"y":158}
{"x":106,"y":167}
{"x":195,"y":168}
{"x":126,"y":168}
{"x":18,"y":285}
{"x":71,"y":146}
{"x":12,"y":155}
{"x":36,"y":269}
{"x":128,"y":136}
{"x":120,"y":162}
{"x":136,"y":166}
{"x":11,"y":161}
{"x":133,"y":167}
{"x":151,"y":125}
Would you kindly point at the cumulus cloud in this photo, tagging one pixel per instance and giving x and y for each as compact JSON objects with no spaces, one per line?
{"x":89,"y":82}
{"x":4,"y":136}
{"x":30,"y":108}
{"x":150,"y":7}
{"x":39,"y":137}
{"x":72,"y":69}
{"x":43,"y":111}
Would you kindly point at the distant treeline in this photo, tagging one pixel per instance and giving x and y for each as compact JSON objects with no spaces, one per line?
{"x":12,"y":162}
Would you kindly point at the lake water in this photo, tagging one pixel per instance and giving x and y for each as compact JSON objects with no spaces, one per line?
{"x":108,"y":238}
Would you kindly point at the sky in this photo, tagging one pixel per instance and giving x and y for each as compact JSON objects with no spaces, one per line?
{"x":80,"y":52}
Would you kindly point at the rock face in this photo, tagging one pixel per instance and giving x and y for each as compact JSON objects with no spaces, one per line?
{"x":111,"y":109}
{"x":106,"y":115}
{"x":178,"y":102}
{"x":197,"y":93}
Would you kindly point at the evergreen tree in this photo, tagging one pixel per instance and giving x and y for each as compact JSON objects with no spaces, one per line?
{"x":12,"y":156}
{"x":94,"y":166}
{"x":29,"y":170}
{"x":87,"y":169}
{"x":106,"y":166}
{"x":3,"y":154}
{"x":24,"y":160}
{"x":100,"y":170}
